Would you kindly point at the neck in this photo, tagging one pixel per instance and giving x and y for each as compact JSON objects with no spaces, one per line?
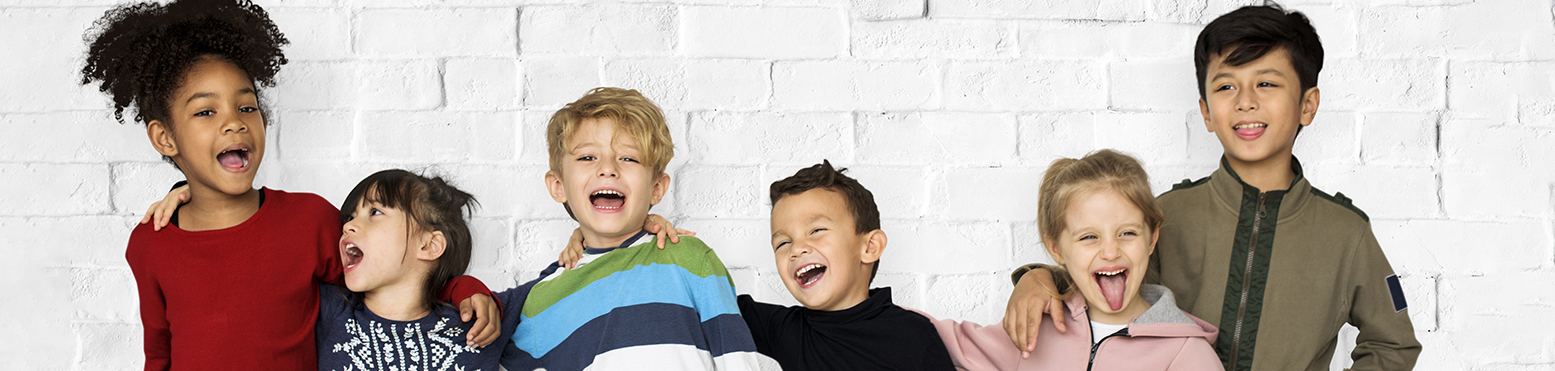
{"x":398,"y":302}
{"x":1272,"y":174}
{"x":210,"y":209}
{"x":1136,"y":307}
{"x":600,"y":240}
{"x":853,"y":298}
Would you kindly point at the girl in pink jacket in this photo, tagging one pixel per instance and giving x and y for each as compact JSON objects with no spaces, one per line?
{"x":1099,"y":221}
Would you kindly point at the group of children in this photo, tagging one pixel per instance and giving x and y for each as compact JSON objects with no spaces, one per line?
{"x":245,"y":278}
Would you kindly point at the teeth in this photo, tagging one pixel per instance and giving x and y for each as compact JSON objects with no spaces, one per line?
{"x":1252,"y":125}
{"x":607,"y":192}
{"x":806,"y":269}
{"x":1112,"y":273}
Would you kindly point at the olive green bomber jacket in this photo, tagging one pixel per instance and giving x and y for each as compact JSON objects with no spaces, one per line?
{"x":1279,"y":273}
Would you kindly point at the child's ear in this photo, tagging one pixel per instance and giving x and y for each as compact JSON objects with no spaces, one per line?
{"x":434,"y":247}
{"x":1155,"y":236}
{"x":553,"y":184}
{"x":1204,"y":112}
{"x":874,"y":246}
{"x":660,"y":187}
{"x":1052,"y":250}
{"x":1309,"y":102}
{"x":161,"y":136}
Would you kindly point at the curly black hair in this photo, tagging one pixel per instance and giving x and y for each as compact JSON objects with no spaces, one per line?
{"x":140,"y":52}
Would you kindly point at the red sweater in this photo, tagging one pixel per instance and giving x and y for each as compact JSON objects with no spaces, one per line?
{"x":244,"y":297}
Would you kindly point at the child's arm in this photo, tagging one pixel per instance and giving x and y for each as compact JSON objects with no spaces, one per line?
{"x":1034,"y":296}
{"x":161,"y":212}
{"x":976,"y":347}
{"x":653,"y":224}
{"x":728,"y":338}
{"x":1387,"y":337}
{"x":153,"y":315}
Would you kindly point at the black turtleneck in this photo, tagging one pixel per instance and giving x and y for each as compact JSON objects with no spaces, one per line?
{"x":873,"y":335}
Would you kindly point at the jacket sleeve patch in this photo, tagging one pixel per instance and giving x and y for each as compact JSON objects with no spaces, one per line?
{"x":1397,"y":292}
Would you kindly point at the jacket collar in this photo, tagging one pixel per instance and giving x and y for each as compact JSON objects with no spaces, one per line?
{"x":1162,"y":319}
{"x":1229,"y":189}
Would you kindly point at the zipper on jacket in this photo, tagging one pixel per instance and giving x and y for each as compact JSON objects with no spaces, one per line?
{"x":1247,"y":281}
{"x":1094,"y":347}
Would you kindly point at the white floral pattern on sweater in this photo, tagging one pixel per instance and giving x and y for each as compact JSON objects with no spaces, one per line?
{"x":404,"y":346}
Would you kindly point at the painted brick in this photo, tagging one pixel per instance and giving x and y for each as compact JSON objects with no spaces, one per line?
{"x":972,"y":39}
{"x":881,"y":10}
{"x":100,"y":293}
{"x":95,"y":241}
{"x":900,"y":192}
{"x":1331,"y":138}
{"x":49,"y":58}
{"x":1040,"y":9}
{"x":1150,"y":137}
{"x":427,"y":32}
{"x":1427,"y":247}
{"x":55,"y":189}
{"x":1501,"y":30}
{"x":439,"y":136}
{"x":483,"y":84}
{"x":1045,"y":137}
{"x":747,"y":32}
{"x":312,"y":135}
{"x":1067,"y":40}
{"x":739,"y":243}
{"x":1003,"y":194}
{"x":754,"y":138}
{"x":399,"y":85}
{"x":1399,"y":138}
{"x":508,"y":191}
{"x":724,"y":84}
{"x":1359,"y":183}
{"x":315,"y":34}
{"x":1496,"y":170}
{"x":82,"y":136}
{"x":1026,"y":85}
{"x":614,"y":29}
{"x":558,"y":81}
{"x":491,"y":237}
{"x":1465,"y":318}
{"x":137,"y":184}
{"x":1494,"y":90}
{"x":1154,"y":85}
{"x":118,"y":346}
{"x":316,"y":86}
{"x":978,"y":298}
{"x":1382,"y":85}
{"x":719,"y":192}
{"x":936,"y":137}
{"x":946,"y":247}
{"x":841,"y":85}
{"x":539,"y":242}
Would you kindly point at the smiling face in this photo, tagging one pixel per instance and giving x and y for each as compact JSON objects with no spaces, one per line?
{"x":217,"y":132}
{"x":824,"y":263}
{"x":1256,"y":108}
{"x":604,"y":181}
{"x":1106,"y":247}
{"x":378,"y":250}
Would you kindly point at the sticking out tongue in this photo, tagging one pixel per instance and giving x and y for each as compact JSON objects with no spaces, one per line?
{"x":608,"y":201}
{"x":1252,"y":132}
{"x":1112,"y":288}
{"x":231,"y":159}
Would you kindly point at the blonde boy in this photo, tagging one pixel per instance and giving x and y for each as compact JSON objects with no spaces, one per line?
{"x":626,"y":305}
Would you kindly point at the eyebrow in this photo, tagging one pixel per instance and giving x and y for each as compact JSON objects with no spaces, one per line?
{"x":812,"y":219}
{"x":206,"y":94}
{"x":1259,"y":72}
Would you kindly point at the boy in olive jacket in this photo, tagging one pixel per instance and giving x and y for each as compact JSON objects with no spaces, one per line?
{"x":1277,"y":265}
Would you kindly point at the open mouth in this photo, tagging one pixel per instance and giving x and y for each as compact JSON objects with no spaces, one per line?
{"x":1112,"y":283}
{"x":1249,"y":130}
{"x":608,"y":200}
{"x":234,"y":159}
{"x":350,"y":255}
{"x":809,"y":274}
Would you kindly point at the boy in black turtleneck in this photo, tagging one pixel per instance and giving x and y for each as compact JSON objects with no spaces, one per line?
{"x":827,"y":241}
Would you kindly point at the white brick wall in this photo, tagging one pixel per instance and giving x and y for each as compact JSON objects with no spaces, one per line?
{"x":1438,"y":118}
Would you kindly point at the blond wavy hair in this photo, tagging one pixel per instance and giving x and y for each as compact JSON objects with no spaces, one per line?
{"x":1067,"y":179}
{"x":630,"y":110}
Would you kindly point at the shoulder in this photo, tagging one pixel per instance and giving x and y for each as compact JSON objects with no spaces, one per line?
{"x":1184,"y":185}
{"x":1340,"y":204}
{"x":301,"y":201}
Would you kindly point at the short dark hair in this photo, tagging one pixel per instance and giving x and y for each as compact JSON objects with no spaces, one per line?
{"x":1255,"y":31}
{"x":139,"y":53}
{"x":431,"y":204}
{"x":866,"y":217}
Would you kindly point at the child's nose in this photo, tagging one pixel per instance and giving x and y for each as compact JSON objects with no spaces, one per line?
{"x":608,"y":169}
{"x":1245,"y":101}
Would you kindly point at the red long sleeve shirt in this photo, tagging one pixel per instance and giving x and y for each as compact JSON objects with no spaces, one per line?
{"x":244,"y":297}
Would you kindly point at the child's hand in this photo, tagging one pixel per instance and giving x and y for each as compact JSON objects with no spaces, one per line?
{"x":653,"y":224}
{"x":487,"y":327}
{"x":162,"y":211}
{"x":1034,"y":295}
{"x":658,"y":225}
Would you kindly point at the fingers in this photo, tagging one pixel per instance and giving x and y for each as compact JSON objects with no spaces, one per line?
{"x":1033,"y":327}
{"x":481,"y":322}
{"x":465,"y":310}
{"x":663,"y":235}
{"x":147,"y":217}
{"x":1056,"y":312}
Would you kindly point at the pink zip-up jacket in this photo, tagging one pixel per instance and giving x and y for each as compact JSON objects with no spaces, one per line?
{"x":1163,"y":338}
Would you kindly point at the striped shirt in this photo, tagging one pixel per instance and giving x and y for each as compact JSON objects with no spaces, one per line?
{"x":634,"y":307}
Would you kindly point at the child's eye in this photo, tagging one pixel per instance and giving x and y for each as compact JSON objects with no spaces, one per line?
{"x":817,"y":230}
{"x":1129,"y":233}
{"x":248,"y":109}
{"x":375,"y":211}
{"x":1223,"y":87}
{"x":1267,"y":85}
{"x":586,"y":158}
{"x":628,"y":159}
{"x":205,"y":113}
{"x":1087,"y":237}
